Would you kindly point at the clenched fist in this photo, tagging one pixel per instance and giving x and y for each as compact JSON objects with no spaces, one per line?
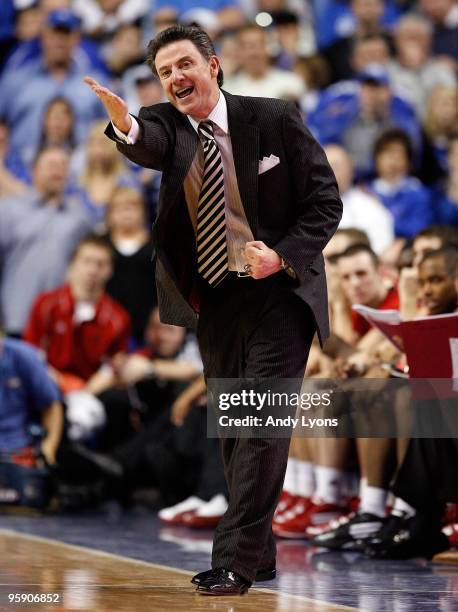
{"x":261,"y":261}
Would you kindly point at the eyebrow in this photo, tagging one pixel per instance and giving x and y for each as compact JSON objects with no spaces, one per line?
{"x":181,"y":59}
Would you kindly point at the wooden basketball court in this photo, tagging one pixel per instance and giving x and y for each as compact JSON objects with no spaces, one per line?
{"x":87,"y":579}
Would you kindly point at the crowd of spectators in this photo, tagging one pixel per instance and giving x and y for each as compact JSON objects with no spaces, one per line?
{"x":376,"y":83}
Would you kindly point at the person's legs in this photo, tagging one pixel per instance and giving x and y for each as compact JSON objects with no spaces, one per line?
{"x":272,"y":336}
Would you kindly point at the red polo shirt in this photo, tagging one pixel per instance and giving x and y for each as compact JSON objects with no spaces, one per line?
{"x":359,"y":323}
{"x":77,"y":348}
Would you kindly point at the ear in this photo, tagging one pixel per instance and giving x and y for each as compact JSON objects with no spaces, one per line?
{"x":214,"y":66}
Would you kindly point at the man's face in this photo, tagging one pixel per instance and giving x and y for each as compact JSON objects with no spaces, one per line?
{"x":253,"y":55}
{"x":91,"y":267}
{"x":413,"y":43}
{"x":374,"y":99}
{"x":423,"y":245}
{"x":341,"y":165}
{"x":371,"y":51}
{"x":149,"y":92}
{"x":50,"y":173}
{"x":437,"y":287}
{"x":360,"y":279}
{"x":126,"y":212}
{"x":188,"y":79}
{"x":367,"y":11}
{"x":58,"y":46}
{"x":436,"y":9}
{"x":165,"y":339}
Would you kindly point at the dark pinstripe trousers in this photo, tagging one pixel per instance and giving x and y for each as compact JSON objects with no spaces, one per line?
{"x":252,"y":329}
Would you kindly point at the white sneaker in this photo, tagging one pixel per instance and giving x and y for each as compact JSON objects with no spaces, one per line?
{"x":172,"y":514}
{"x":217,"y":506}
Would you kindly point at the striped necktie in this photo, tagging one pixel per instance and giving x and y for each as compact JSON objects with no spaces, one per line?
{"x":212,"y":261}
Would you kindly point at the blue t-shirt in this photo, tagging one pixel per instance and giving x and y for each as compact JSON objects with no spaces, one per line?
{"x":445,"y":208}
{"x":409,"y":202}
{"x":25,"y":388}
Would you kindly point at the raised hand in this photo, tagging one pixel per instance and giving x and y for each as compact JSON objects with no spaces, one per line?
{"x":115,"y":106}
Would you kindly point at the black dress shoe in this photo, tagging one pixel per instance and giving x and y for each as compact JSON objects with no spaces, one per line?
{"x":222,"y":581}
{"x":261,"y":575}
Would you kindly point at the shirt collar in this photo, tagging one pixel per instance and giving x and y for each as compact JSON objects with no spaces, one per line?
{"x":218,"y":115}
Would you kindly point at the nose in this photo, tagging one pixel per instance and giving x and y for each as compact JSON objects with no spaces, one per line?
{"x":177,"y":75}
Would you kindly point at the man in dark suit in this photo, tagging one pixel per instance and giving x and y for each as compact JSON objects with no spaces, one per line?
{"x":248,"y":202}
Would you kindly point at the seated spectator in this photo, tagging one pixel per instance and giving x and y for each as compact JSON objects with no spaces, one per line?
{"x":441,"y":121}
{"x":354,"y":347}
{"x":256,"y":77}
{"x":142,"y":88}
{"x":38,"y":232}
{"x":32,"y":398}
{"x":29,"y":24}
{"x":103,"y":170}
{"x":205,"y":508}
{"x":407,"y":199}
{"x":140,"y":420}
{"x":362,"y":283}
{"x":26,"y":90}
{"x":365,"y":19}
{"x":360,"y":209}
{"x":104,"y":17}
{"x":291,"y":42}
{"x":444,"y":15}
{"x":367,"y":50}
{"x":124,"y":50}
{"x":228,"y":12}
{"x":413,"y":72}
{"x":132,"y":283}
{"x":13,"y":173}
{"x":78,"y":326}
{"x":446,"y":195}
{"x":57,"y":129}
{"x":354,"y":114}
{"x":344,"y":19}
{"x":314,"y":71}
{"x":169,"y":354}
{"x":29,"y":21}
{"x":427,"y":477}
{"x":438,"y":295}
{"x":429,"y":239}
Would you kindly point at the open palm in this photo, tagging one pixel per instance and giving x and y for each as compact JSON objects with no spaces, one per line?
{"x":115,"y":106}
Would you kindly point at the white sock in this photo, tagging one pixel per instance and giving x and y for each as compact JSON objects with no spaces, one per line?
{"x":373,"y":500}
{"x":290,"y":484}
{"x":402,"y":506}
{"x":362,"y":486}
{"x":328,"y":484}
{"x":305,"y":479}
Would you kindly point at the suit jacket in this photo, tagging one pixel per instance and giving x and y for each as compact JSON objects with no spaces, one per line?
{"x":293,"y":207}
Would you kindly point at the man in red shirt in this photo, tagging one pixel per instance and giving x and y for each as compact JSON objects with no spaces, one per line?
{"x":78,"y":326}
{"x":362,"y":283}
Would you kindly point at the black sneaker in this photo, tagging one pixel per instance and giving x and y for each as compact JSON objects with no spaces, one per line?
{"x":350,"y":532}
{"x":406,"y":537}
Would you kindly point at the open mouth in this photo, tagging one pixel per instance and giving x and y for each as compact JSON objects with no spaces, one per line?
{"x":184,"y":93}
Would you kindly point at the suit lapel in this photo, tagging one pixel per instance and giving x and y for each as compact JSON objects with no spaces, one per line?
{"x":185,"y":150}
{"x":245,"y":148}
